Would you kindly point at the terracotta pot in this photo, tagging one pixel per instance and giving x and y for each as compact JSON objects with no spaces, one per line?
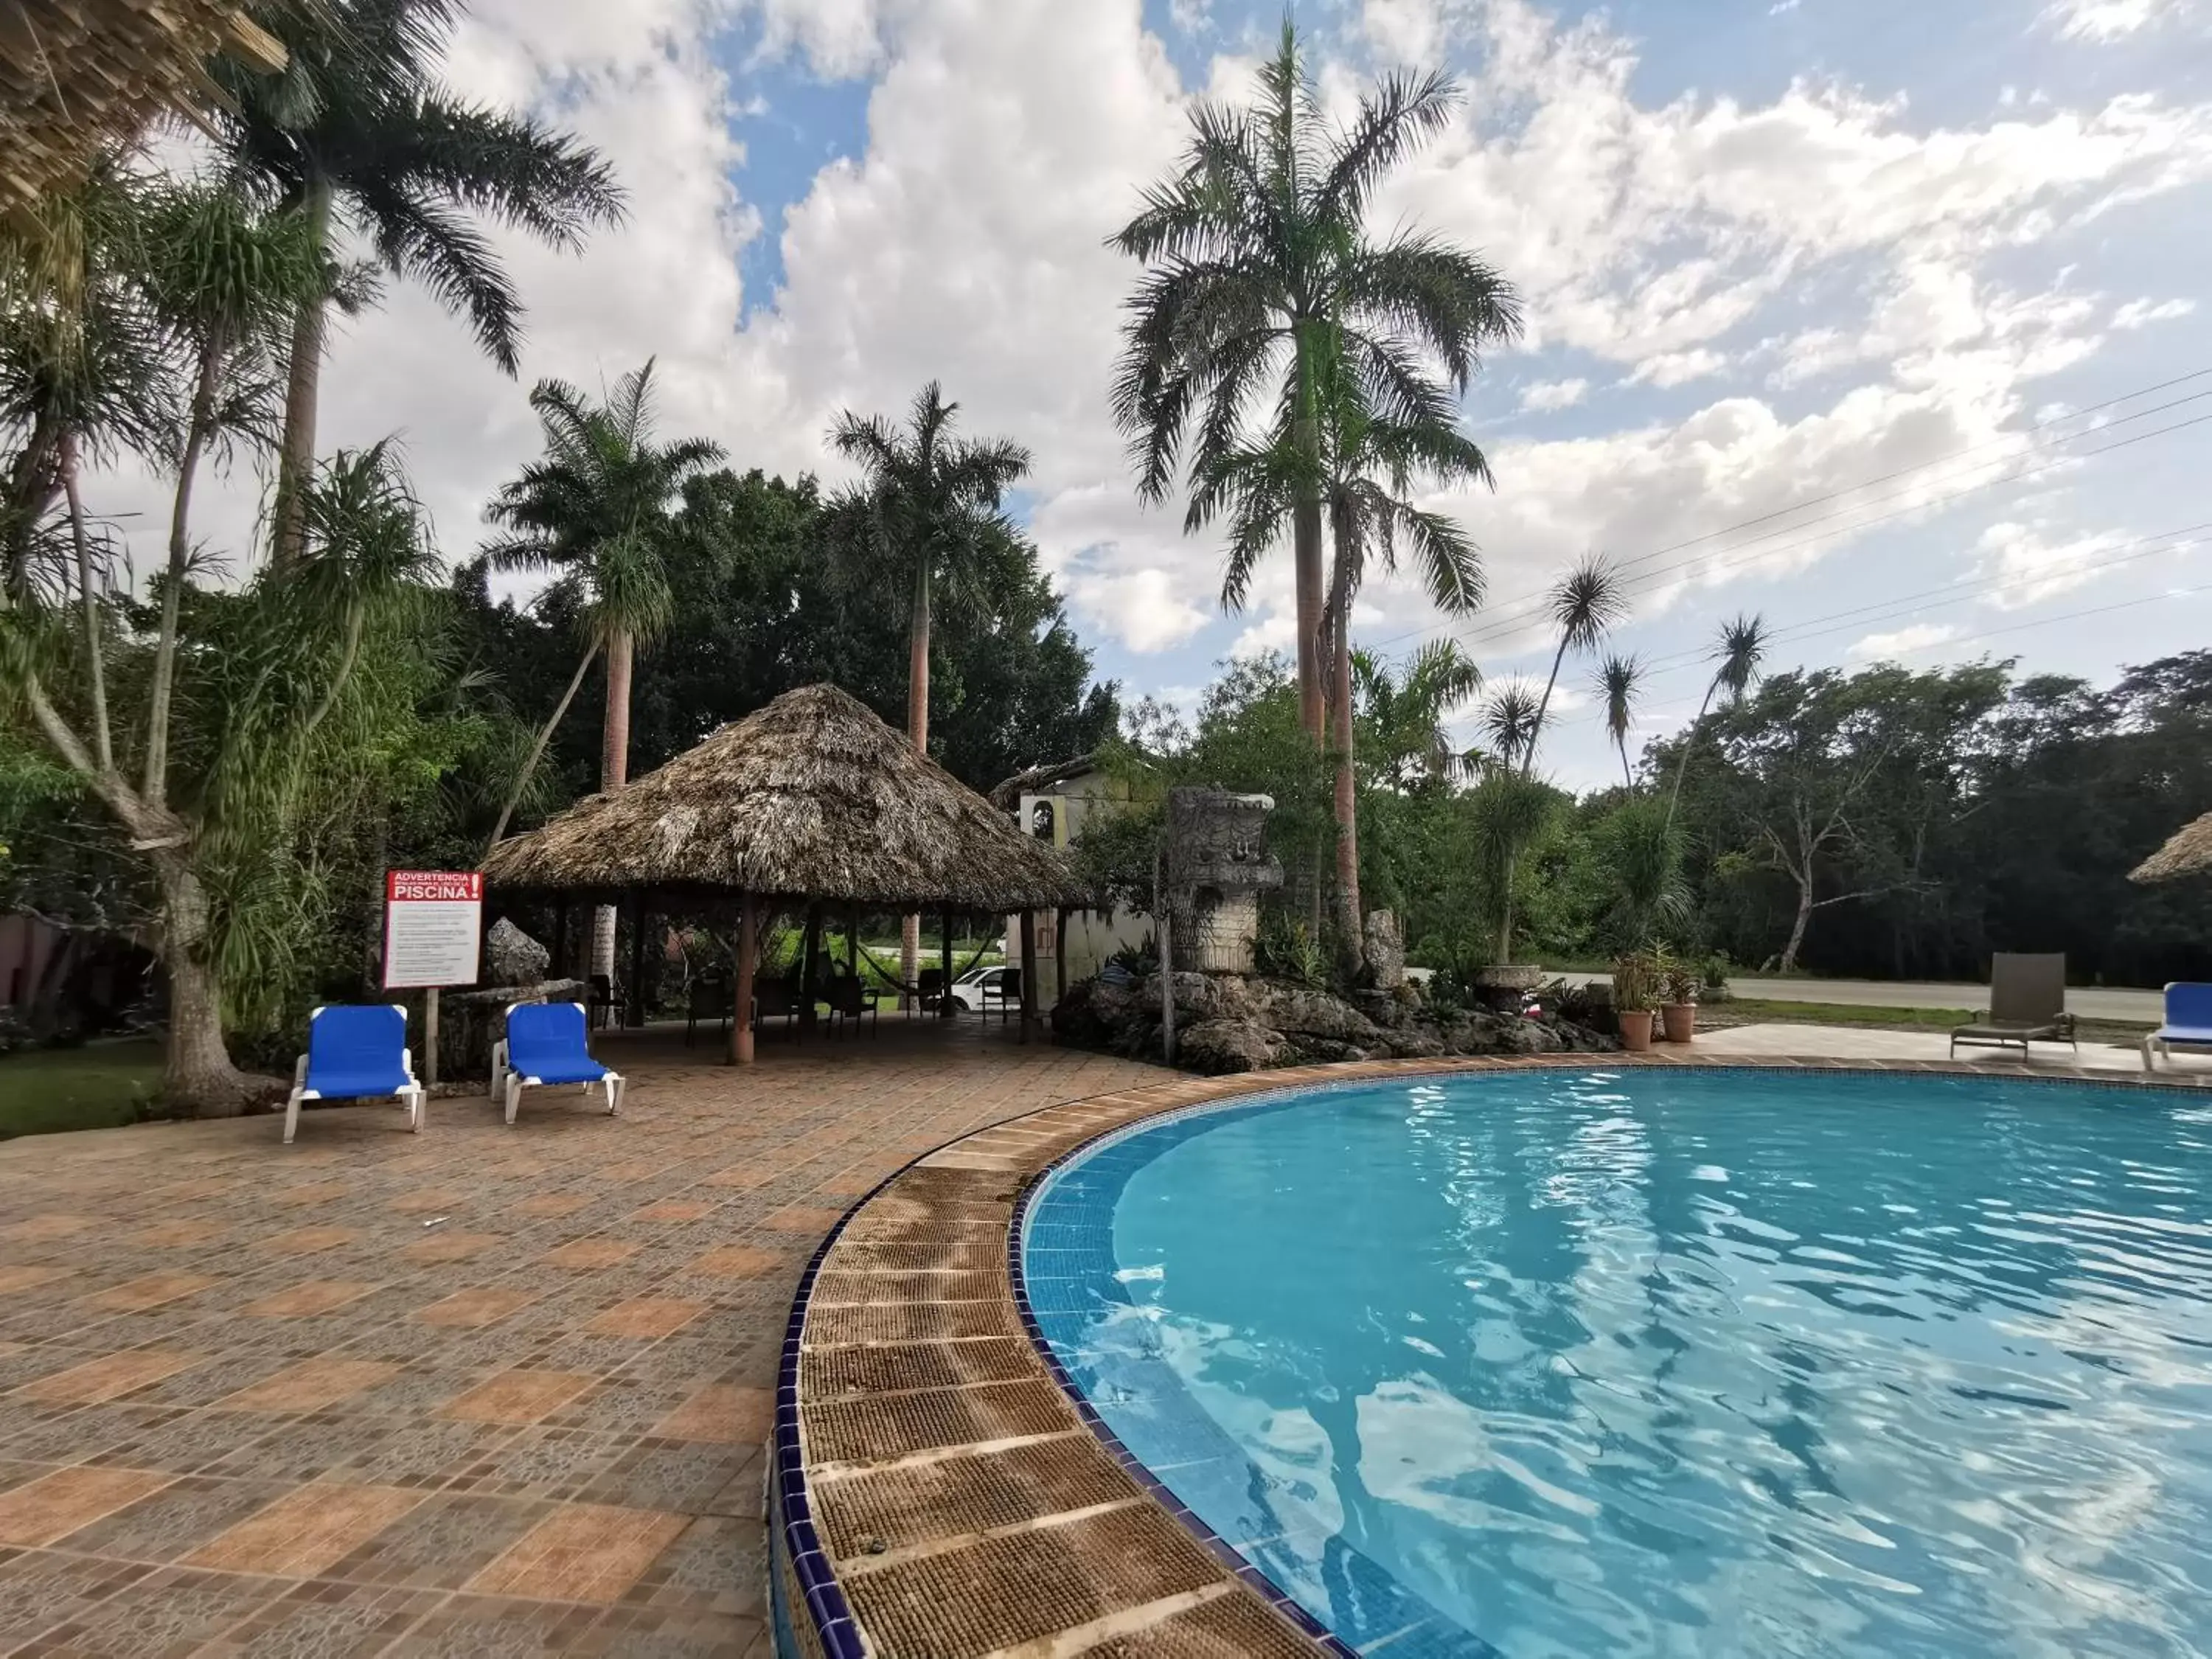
{"x":1636,"y":1029}
{"x":1681,"y":1020}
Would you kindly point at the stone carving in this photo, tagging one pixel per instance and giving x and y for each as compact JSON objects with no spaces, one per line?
{"x":1218,"y":865}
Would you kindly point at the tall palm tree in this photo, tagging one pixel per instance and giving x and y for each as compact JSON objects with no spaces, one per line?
{"x":597,"y":509}
{"x":357,"y":128}
{"x":919,"y":516}
{"x":1371,"y":463}
{"x":1583,"y":603}
{"x":1737,"y":655}
{"x":1263,"y":286}
{"x":1620,"y":686}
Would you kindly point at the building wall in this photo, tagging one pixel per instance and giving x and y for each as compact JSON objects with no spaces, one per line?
{"x":1093,"y":936}
{"x":26,"y":944}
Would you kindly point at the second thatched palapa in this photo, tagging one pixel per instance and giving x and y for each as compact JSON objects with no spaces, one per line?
{"x":812,"y":797}
{"x":2187,"y":852}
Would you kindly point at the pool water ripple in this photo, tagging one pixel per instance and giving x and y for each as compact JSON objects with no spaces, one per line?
{"x":1669,"y":1363}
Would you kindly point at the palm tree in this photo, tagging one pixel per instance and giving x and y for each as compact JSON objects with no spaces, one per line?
{"x":1371,"y":463}
{"x":1407,"y":718}
{"x":1738,"y":653}
{"x":1262,"y":288}
{"x":1584,"y":603}
{"x":1620,"y":685}
{"x":921,"y":516}
{"x":226,"y":279}
{"x":357,"y":127}
{"x":597,"y":509}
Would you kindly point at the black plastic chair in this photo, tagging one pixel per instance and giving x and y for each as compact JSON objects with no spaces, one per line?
{"x":850,"y":1000}
{"x":710,"y":1000}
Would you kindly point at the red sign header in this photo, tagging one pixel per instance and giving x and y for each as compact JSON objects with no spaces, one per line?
{"x":435,"y":886}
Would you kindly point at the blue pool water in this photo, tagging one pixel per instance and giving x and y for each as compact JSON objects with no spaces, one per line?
{"x":1737,"y":1363}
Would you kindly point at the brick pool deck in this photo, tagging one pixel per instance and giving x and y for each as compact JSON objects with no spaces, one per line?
{"x":481,"y":1392}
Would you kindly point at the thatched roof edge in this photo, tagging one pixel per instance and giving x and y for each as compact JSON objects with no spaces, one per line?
{"x":812,"y":797}
{"x":2187,"y":852}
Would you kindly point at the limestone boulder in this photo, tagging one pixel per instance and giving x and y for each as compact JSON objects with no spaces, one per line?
{"x":512,"y":958}
{"x":1220,"y":1046}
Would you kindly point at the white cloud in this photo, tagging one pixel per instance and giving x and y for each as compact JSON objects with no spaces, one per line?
{"x":1544,"y":396}
{"x":2111,"y":20}
{"x":1877,"y":647}
{"x":2030,"y":561}
{"x":965,"y":242}
{"x":2141,"y":313}
{"x":1679,"y":367}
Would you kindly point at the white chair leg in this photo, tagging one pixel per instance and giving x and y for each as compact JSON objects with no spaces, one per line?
{"x":513,"y":1096}
{"x":614,"y":1087}
{"x":291,"y":1117}
{"x":498,"y":1071}
{"x":416,"y":1102}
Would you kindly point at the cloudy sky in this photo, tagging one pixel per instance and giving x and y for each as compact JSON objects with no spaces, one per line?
{"x":1833,"y":303}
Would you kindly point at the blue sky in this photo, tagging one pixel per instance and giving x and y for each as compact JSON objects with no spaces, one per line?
{"x":1769,"y":253}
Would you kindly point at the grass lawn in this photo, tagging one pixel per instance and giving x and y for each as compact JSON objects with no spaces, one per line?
{"x":94,"y":1087}
{"x":1757,"y":1011}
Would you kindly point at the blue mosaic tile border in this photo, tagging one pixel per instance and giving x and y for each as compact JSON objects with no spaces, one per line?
{"x":1033,"y":1189}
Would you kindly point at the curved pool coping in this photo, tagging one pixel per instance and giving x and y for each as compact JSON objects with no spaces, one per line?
{"x":938,"y":1489}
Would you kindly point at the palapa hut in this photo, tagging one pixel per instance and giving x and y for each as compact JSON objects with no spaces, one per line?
{"x":2187,"y":852}
{"x":811,"y":800}
{"x":78,"y":74}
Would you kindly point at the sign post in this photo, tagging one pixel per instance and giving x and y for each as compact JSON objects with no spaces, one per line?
{"x":432,"y":923}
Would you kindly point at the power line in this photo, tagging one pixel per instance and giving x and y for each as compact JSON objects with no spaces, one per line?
{"x":1503,"y":627}
{"x":1905,"y":605}
{"x":1499,"y":624}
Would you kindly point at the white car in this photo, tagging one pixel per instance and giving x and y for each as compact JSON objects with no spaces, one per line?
{"x":984,"y":989}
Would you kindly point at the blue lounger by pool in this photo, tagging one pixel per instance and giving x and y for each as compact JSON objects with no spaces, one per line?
{"x":355,"y":1052}
{"x":546,"y":1044}
{"x":2188,"y":1023}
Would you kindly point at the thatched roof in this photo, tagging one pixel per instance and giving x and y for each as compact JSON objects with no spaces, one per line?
{"x":77,"y":74}
{"x":2187,"y":852}
{"x":812,"y":797}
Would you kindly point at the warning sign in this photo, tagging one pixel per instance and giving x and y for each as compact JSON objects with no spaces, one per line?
{"x":433,"y":921}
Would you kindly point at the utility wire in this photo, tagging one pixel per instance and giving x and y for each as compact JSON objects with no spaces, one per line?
{"x":1506,"y":623}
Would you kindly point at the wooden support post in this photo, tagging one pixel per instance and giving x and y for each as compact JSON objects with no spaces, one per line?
{"x":634,"y":1014}
{"x":1160,"y":908}
{"x":809,"y":967}
{"x":947,"y":1007}
{"x":1060,"y":954}
{"x":1029,"y":974}
{"x":741,"y":999}
{"x":430,"y":1036}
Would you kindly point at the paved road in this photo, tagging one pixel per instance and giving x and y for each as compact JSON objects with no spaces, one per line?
{"x":2089,"y":1002}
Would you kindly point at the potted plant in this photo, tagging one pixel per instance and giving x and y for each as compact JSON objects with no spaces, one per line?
{"x":1633,"y":987}
{"x":1678,"y":1006}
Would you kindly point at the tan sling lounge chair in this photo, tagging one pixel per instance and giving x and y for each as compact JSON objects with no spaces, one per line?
{"x":2028,"y":1004}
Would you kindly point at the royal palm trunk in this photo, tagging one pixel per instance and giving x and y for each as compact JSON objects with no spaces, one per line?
{"x":917,"y":725}
{"x":614,"y":773}
{"x":296,"y":456}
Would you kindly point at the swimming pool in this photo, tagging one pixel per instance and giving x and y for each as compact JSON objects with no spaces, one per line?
{"x":1680,"y":1362}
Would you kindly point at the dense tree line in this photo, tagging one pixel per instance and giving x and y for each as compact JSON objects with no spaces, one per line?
{"x":1917,"y":822}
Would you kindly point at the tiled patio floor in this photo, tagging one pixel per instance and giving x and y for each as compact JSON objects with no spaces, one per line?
{"x":481,"y":1392}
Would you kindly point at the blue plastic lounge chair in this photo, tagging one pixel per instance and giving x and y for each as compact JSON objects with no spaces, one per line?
{"x":545,"y":1043}
{"x":355,"y":1052}
{"x":2188,"y":1023}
